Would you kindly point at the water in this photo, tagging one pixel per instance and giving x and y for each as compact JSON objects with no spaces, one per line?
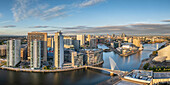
{"x":78,"y":77}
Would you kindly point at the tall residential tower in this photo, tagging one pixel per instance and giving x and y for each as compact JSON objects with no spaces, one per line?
{"x":39,"y":36}
{"x":13,"y":52}
{"x":58,"y":50}
{"x":35,"y":54}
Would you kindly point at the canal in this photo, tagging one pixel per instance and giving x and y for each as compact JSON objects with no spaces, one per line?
{"x":78,"y":77}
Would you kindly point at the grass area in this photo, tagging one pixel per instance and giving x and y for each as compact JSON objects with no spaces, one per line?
{"x":156,"y":69}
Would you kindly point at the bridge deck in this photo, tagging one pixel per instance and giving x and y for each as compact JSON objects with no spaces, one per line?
{"x":108,"y":70}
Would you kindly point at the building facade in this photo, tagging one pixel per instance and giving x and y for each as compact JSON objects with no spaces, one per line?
{"x":24,"y":52}
{"x":58,"y":50}
{"x":94,"y":56}
{"x":165,"y":52}
{"x":81,"y":38}
{"x":50,"y":42}
{"x":136,"y":42}
{"x":39,"y":36}
{"x":77,"y":59}
{"x":3,"y":50}
{"x":35,"y":54}
{"x":93,"y":43}
{"x":76,"y":44}
{"x":13,"y":52}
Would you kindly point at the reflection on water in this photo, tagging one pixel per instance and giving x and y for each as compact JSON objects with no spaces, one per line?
{"x":78,"y":77}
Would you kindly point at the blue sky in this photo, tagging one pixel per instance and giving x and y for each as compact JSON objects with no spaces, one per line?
{"x":17,"y":17}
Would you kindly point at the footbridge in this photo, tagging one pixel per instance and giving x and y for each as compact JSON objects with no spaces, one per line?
{"x":112,"y":71}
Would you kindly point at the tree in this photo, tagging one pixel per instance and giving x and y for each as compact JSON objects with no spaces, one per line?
{"x":146,"y":66}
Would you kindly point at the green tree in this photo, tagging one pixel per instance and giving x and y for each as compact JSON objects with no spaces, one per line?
{"x":146,"y":66}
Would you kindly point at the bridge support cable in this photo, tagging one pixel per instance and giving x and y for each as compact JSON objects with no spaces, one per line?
{"x":112,"y":64}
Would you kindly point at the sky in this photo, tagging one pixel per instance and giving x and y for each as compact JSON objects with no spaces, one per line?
{"x":142,"y":17}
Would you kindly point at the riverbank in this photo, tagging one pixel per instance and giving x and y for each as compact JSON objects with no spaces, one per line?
{"x":47,"y":71}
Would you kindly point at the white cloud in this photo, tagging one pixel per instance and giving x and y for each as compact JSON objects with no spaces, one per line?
{"x":23,"y":9}
{"x":2,"y":22}
{"x":89,"y":3}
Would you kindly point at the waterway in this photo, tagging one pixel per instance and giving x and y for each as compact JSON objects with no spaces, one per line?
{"x":77,"y":77}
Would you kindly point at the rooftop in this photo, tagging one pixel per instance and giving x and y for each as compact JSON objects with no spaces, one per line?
{"x":161,"y":75}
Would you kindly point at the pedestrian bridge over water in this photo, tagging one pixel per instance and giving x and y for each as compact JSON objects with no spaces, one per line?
{"x":111,"y":71}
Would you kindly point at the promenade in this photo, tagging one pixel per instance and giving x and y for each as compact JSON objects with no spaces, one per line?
{"x":47,"y":71}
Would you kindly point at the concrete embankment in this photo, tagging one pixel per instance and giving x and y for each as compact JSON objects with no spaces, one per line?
{"x":47,"y":71}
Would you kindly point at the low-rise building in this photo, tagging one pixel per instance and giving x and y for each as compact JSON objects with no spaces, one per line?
{"x":3,"y":50}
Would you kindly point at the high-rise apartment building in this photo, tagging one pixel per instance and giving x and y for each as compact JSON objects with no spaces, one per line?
{"x":35,"y":54}
{"x":81,"y":38}
{"x":13,"y":52}
{"x":58,"y":50}
{"x":39,"y":36}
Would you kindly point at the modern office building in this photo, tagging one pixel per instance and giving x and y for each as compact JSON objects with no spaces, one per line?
{"x":24,"y":52}
{"x":39,"y":36}
{"x":136,"y":42}
{"x":76,"y":44}
{"x":68,"y":40}
{"x":13,"y":52}
{"x":3,"y":50}
{"x":93,"y":43}
{"x":50,"y":42}
{"x":67,"y":55}
{"x":81,"y":38}
{"x":77,"y":59}
{"x":94,"y":56}
{"x":58,"y":50}
{"x":35,"y":54}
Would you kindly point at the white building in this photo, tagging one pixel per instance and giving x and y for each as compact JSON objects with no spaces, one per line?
{"x":58,"y":50}
{"x":81,"y":38}
{"x":13,"y":52}
{"x":35,"y":54}
{"x":165,"y":52}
